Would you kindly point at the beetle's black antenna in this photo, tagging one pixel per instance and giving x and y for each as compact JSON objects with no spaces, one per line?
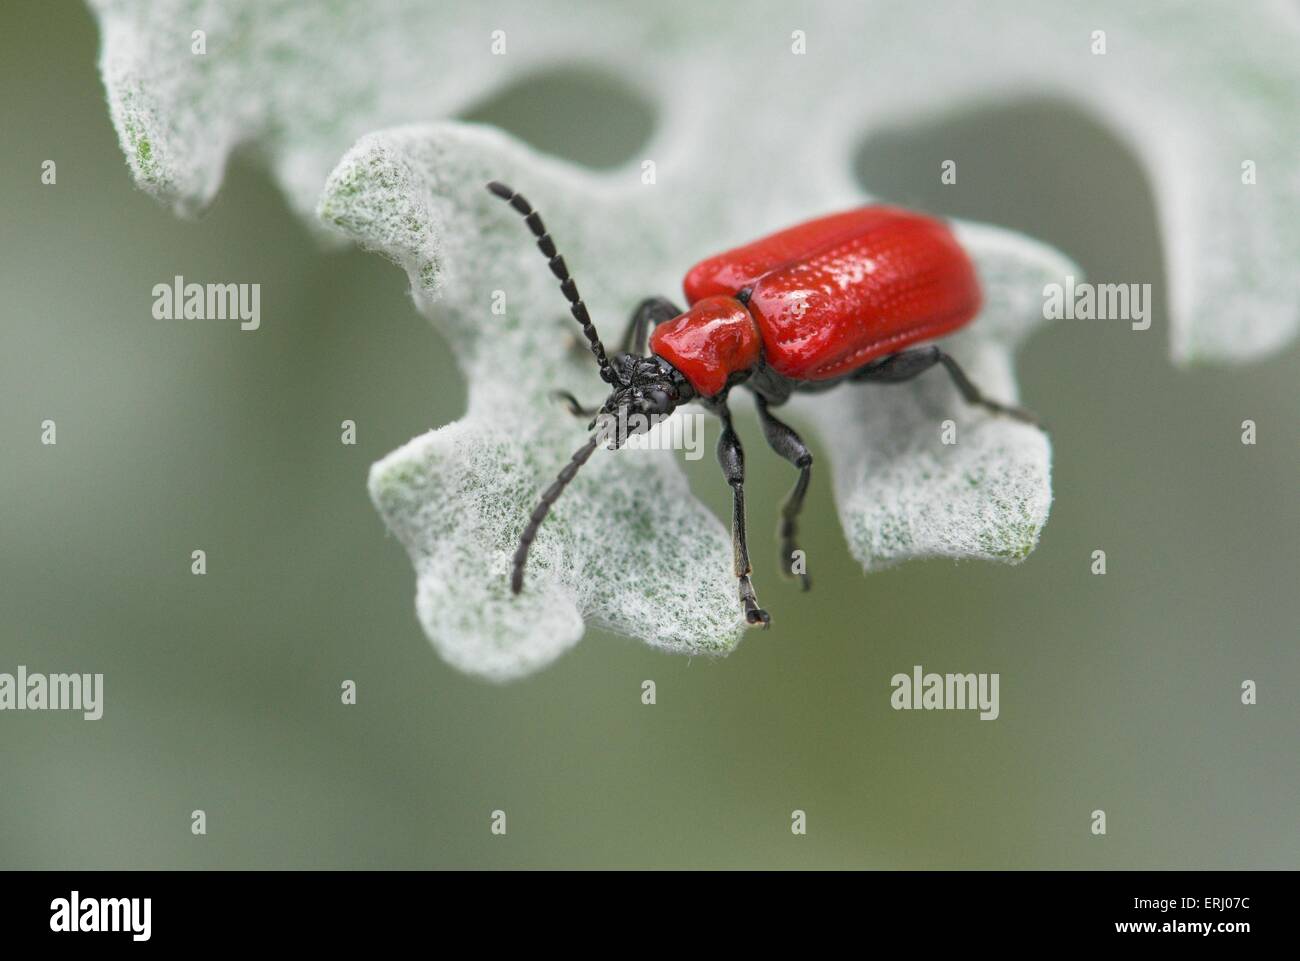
{"x":549,"y":497}
{"x":570,"y":290}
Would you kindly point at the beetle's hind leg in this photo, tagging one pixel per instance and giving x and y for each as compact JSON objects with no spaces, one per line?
{"x":782,"y":438}
{"x":907,"y":364}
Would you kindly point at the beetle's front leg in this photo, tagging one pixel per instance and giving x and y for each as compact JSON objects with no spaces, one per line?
{"x":732,"y":458}
{"x":575,"y":406}
{"x":649,"y":314}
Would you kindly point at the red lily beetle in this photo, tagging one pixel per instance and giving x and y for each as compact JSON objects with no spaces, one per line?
{"x":837,"y":299}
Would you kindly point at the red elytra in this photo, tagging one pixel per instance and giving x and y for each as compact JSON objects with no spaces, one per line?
{"x":824,"y":298}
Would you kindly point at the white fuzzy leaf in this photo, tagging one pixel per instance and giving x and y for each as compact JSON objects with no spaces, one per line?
{"x":1196,"y":90}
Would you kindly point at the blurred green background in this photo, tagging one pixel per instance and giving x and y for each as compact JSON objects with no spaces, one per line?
{"x":222,"y":692}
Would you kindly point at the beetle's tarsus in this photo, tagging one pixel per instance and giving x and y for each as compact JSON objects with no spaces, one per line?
{"x":1015,"y":413}
{"x":575,"y":406}
{"x":1021,"y":414}
{"x":805,"y":582}
{"x":749,"y":604}
{"x":786,"y":565}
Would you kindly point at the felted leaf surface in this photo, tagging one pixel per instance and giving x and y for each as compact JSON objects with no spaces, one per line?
{"x":1196,"y":92}
{"x":1198,"y":89}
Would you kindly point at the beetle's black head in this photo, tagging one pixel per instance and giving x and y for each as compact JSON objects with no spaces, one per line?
{"x":646,"y":391}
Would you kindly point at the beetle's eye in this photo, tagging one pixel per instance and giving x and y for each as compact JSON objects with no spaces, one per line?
{"x":657,"y":400}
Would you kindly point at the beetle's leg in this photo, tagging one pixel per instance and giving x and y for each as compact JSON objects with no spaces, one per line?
{"x":648,"y":314}
{"x":782,"y":438}
{"x":732,"y":458}
{"x":574,"y":405}
{"x":906,"y":364}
